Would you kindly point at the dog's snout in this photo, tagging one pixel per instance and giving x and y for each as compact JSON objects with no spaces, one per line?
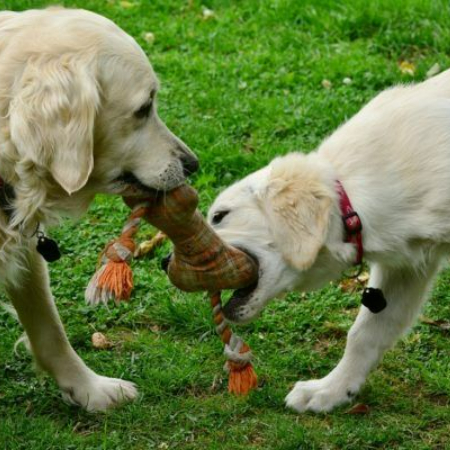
{"x":190,"y":164}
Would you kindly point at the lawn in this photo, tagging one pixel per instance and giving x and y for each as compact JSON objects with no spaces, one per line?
{"x":241,"y":84}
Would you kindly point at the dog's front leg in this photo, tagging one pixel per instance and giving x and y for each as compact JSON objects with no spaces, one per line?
{"x":31,"y":296}
{"x":370,"y":336}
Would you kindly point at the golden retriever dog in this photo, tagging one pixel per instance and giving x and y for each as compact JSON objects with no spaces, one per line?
{"x":393,"y":161}
{"x":77,"y":117}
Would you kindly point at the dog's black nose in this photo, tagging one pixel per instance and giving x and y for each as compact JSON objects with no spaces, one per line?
{"x":190,"y":164}
{"x":165,"y":262}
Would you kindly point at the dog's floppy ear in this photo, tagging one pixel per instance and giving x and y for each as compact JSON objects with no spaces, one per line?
{"x":298,"y":209}
{"x":52,"y":117}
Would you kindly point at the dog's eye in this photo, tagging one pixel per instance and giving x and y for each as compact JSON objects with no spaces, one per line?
{"x":218,"y":217}
{"x":143,"y":111}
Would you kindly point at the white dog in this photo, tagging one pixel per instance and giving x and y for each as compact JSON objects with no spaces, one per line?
{"x":393,"y":160}
{"x":77,"y":117}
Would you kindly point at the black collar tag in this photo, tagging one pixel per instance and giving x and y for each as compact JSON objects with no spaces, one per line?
{"x":374,"y":300}
{"x":47,"y":247}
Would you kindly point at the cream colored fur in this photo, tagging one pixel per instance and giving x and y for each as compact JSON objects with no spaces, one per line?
{"x":393,"y":159}
{"x":71,"y":86}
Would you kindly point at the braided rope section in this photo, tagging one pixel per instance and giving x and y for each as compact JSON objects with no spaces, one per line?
{"x":113,"y":280}
{"x":242,"y":377}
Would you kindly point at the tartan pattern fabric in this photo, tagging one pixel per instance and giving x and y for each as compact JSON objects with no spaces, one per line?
{"x":201,"y":261}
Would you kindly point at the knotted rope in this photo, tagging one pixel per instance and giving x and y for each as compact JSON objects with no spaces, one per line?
{"x":242,"y":377}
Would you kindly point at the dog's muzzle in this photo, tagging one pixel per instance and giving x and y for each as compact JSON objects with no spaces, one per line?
{"x":240,"y":298}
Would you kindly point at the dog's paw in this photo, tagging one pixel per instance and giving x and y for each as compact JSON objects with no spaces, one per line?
{"x":321,"y":395}
{"x":100,"y":393}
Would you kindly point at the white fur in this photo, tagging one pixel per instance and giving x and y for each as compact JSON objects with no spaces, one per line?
{"x":393,"y":159}
{"x":70,"y":84}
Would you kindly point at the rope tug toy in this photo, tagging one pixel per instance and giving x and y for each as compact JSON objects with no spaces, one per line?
{"x":200,"y":261}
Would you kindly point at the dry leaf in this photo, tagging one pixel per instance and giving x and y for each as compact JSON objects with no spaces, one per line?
{"x":149,"y":37}
{"x":216,"y":384}
{"x":349,"y":285}
{"x":100,"y":341}
{"x":352,"y":284}
{"x":407,"y":68}
{"x":363,"y":277}
{"x":208,"y":13}
{"x":359,"y":408}
{"x":147,"y":247}
{"x":441,"y":324}
{"x":327,"y":84}
{"x":433,"y":70}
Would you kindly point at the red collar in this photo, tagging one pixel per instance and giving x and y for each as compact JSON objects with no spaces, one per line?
{"x":352,"y":222}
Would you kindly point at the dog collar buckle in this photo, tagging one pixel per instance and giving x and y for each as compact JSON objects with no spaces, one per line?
{"x":352,"y":223}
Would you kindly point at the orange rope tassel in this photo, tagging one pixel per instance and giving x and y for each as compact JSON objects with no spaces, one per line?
{"x":117,"y":278}
{"x":114,"y":279}
{"x":242,"y":378}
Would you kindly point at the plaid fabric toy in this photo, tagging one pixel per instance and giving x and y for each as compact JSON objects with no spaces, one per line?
{"x":201,"y":261}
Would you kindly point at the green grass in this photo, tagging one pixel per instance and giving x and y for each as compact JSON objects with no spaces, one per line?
{"x":240,"y":88}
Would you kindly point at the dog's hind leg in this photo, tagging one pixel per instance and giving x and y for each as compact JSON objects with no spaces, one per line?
{"x":369,"y":337}
{"x":32,"y":299}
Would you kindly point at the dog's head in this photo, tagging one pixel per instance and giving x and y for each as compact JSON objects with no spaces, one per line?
{"x":282,"y":215}
{"x":82,"y":115}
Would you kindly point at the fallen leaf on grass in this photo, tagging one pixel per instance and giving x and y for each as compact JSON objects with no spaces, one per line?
{"x":359,"y":408}
{"x":146,"y":248}
{"x":441,"y":324}
{"x":216,"y":384}
{"x":363,"y":277}
{"x":208,"y":13}
{"x":149,"y":37}
{"x":100,"y":341}
{"x":407,"y":68}
{"x":351,"y":285}
{"x":327,"y":84}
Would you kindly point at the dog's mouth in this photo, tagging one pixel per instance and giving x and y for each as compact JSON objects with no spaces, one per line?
{"x":128,"y":185}
{"x":240,"y":297}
